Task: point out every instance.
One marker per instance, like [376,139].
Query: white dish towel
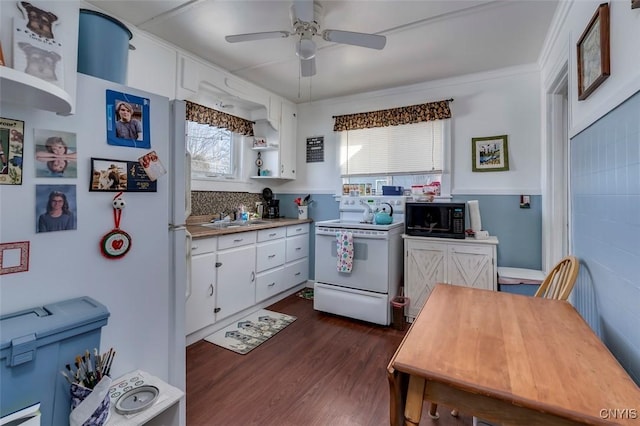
[344,241]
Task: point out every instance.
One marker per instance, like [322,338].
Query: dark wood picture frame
[635,4]
[593,53]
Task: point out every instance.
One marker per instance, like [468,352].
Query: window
[213,152]
[402,155]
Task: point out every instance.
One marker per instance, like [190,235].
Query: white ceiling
[426,39]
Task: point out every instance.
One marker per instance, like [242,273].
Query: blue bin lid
[61,318]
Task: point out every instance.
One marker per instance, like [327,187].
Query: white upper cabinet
[152,66]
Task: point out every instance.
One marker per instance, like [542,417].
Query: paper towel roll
[474,215]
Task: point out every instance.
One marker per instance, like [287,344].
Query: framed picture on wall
[128,120]
[593,53]
[490,154]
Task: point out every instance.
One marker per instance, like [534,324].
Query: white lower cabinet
[428,261]
[296,273]
[269,283]
[233,272]
[236,276]
[200,301]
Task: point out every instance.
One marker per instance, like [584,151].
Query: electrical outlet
[525,201]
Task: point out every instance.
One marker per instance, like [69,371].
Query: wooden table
[513,359]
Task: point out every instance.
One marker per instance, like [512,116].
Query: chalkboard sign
[315,149]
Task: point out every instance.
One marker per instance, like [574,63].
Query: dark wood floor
[320,370]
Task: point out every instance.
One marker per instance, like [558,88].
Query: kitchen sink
[234,224]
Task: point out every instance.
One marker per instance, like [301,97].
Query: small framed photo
[56,208]
[490,154]
[259,142]
[117,175]
[11,151]
[128,120]
[635,4]
[14,257]
[108,175]
[56,154]
[593,53]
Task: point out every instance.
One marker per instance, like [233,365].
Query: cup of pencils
[90,383]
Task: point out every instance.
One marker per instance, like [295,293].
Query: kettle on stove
[384,218]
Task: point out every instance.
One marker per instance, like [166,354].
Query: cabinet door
[425,266]
[201,302]
[236,280]
[471,266]
[288,132]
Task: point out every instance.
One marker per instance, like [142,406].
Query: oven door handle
[355,235]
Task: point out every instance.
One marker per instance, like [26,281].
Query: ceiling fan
[305,19]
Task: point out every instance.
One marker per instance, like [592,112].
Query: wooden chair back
[560,280]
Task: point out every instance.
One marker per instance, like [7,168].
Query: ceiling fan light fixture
[306,48]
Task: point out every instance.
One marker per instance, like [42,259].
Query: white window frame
[236,161]
[445,174]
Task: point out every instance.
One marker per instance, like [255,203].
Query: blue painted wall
[518,230]
[605,223]
[322,207]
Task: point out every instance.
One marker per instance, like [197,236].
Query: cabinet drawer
[296,273]
[297,247]
[271,234]
[270,255]
[203,245]
[300,229]
[236,240]
[269,284]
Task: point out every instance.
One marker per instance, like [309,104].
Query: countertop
[197,231]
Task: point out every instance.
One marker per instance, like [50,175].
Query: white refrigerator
[144,290]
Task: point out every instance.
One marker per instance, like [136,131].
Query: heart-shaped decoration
[117,244]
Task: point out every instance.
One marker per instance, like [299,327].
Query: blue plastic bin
[36,344]
[103,46]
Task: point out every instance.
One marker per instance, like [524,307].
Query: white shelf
[21,88]
[269,178]
[265,148]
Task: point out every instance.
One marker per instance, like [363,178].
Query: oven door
[370,271]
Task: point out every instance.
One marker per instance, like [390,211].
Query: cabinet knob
[218,264]
[271,285]
[216,310]
[211,290]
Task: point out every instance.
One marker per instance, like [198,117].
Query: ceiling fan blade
[372,41]
[303,10]
[308,67]
[256,36]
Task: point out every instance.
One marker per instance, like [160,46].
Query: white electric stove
[366,291]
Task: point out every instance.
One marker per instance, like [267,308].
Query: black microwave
[444,220]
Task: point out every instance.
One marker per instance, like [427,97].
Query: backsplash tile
[213,203]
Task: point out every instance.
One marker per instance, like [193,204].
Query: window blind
[405,149]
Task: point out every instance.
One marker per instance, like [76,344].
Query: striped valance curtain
[204,115]
[392,117]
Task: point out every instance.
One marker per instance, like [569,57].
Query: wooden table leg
[415,397]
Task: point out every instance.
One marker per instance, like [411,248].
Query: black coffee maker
[272,207]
